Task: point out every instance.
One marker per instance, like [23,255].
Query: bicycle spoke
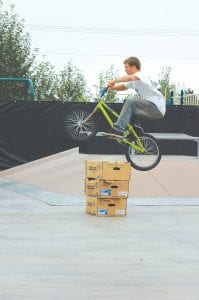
[75,126]
[148,159]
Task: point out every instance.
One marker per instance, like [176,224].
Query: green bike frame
[105,110]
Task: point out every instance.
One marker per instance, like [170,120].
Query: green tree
[16,56]
[45,81]
[189,91]
[104,77]
[72,84]
[164,81]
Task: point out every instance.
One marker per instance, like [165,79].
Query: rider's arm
[123,79]
[127,78]
[118,87]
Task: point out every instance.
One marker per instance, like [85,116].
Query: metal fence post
[171,97]
[181,97]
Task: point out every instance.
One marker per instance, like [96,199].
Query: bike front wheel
[149,158]
[74,124]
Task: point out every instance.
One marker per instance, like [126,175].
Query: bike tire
[148,160]
[73,123]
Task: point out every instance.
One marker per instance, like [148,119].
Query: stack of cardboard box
[107,187]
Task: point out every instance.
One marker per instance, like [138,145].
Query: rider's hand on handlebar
[111,83]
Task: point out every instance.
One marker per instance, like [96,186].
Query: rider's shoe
[116,130]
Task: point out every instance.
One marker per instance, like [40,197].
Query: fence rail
[191,99]
[174,99]
[186,99]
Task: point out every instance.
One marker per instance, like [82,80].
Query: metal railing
[29,85]
[191,99]
[186,99]
[174,99]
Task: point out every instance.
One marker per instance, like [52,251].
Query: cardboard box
[108,170]
[107,207]
[106,188]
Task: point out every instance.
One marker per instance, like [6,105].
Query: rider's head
[132,65]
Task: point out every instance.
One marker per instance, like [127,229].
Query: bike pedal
[139,130]
[128,136]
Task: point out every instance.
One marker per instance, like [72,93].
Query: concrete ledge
[55,199]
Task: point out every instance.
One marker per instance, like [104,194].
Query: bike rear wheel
[74,125]
[147,160]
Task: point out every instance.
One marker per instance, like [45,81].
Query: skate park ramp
[64,173]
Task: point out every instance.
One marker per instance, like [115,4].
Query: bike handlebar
[103,92]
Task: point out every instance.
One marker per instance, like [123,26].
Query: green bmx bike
[141,149]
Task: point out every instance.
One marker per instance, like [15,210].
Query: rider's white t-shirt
[147,91]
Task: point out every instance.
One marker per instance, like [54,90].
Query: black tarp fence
[30,130]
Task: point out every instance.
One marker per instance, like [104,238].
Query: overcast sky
[160,33]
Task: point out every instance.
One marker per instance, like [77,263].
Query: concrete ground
[50,249]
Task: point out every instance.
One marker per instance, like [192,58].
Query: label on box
[123,194]
[120,212]
[103,212]
[105,192]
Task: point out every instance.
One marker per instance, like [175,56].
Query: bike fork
[90,115]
